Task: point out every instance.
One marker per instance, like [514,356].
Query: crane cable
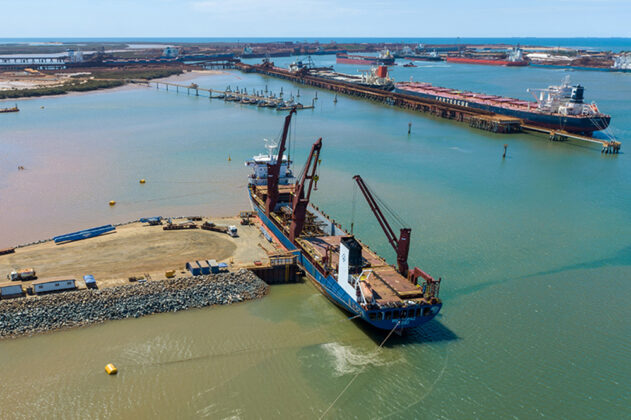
[384,205]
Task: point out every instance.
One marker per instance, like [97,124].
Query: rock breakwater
[30,315]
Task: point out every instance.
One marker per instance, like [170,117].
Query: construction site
[152,250]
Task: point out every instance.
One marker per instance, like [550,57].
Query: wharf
[476,118]
[138,250]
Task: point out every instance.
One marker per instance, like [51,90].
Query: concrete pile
[31,315]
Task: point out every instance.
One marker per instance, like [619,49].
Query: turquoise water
[534,252]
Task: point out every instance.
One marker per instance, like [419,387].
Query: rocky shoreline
[30,315]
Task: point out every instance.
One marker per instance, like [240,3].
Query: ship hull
[363,59]
[423,58]
[572,124]
[487,62]
[329,287]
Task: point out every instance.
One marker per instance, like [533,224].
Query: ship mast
[273,169]
[301,197]
[402,245]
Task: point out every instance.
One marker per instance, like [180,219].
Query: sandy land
[189,75]
[136,249]
[17,80]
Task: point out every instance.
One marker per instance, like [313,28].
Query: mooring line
[357,374]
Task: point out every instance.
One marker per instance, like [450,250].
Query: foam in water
[348,360]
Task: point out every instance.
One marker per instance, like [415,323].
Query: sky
[315,18]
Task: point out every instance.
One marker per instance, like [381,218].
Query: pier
[608,146]
[475,118]
[255,98]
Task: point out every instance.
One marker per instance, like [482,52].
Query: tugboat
[345,270]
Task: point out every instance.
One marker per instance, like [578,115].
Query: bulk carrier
[346,271]
[384,58]
[515,58]
[557,107]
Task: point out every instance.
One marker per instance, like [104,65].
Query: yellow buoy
[112,202]
[111,369]
[142,181]
[229,160]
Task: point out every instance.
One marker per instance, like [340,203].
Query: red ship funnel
[382,71]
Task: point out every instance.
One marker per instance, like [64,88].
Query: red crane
[273,169]
[301,197]
[402,245]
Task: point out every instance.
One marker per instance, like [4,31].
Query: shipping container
[214,267]
[194,268]
[53,285]
[205,267]
[9,290]
[90,283]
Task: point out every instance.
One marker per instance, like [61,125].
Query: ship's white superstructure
[564,99]
[622,62]
[259,164]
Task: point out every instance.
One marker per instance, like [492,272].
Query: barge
[345,270]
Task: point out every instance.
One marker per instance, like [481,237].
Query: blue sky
[315,18]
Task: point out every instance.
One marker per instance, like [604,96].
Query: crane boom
[402,245]
[301,197]
[273,169]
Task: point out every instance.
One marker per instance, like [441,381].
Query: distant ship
[515,58]
[384,58]
[377,77]
[351,275]
[557,107]
[432,56]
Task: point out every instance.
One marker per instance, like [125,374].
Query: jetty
[261,99]
[476,118]
[608,146]
[11,109]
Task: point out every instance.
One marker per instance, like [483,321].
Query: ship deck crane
[402,244]
[302,195]
[273,169]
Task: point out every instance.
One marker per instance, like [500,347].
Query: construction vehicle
[24,274]
[245,218]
